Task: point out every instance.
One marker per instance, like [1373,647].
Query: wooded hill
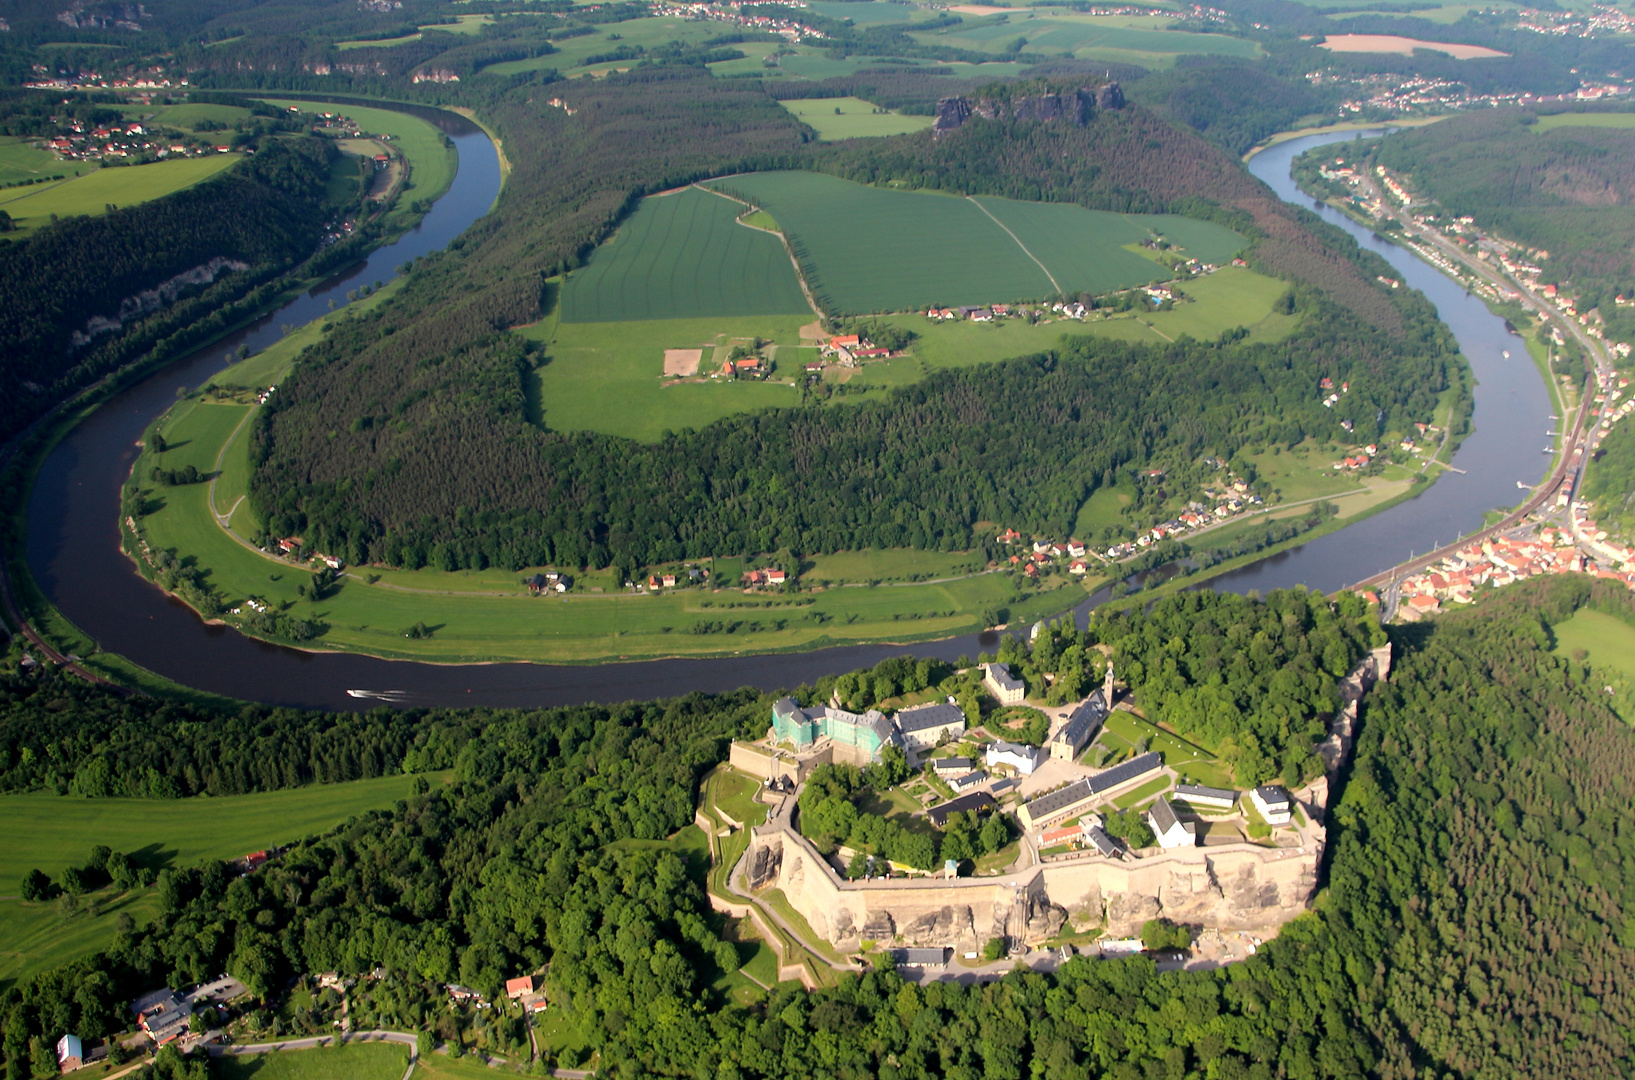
[1476,918]
[402,437]
[267,211]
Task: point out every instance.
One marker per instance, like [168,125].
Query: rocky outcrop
[1075,106]
[879,926]
[948,925]
[764,863]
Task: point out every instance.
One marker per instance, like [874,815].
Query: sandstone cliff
[1075,106]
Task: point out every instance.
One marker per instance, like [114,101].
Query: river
[74,551]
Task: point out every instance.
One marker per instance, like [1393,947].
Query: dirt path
[1024,247]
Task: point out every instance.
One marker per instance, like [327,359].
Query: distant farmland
[867,249]
[684,256]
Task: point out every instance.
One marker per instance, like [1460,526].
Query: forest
[266,213]
[360,443]
[1565,190]
[1475,920]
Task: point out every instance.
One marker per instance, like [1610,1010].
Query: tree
[1157,934]
[993,949]
[35,886]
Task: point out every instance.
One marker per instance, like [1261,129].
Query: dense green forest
[1565,190]
[266,213]
[358,448]
[1475,921]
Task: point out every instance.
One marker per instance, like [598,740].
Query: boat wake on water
[380,695]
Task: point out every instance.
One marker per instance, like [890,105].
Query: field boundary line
[1058,286]
[800,275]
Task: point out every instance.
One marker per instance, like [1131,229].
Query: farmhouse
[1024,759]
[1198,795]
[1273,803]
[519,987]
[163,1014]
[924,726]
[1171,831]
[70,1053]
[1007,690]
[1080,728]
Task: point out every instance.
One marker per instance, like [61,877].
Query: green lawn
[571,54]
[595,364]
[1609,641]
[189,115]
[20,161]
[432,161]
[868,249]
[348,1061]
[1140,795]
[130,185]
[684,255]
[734,793]
[852,118]
[891,564]
[51,833]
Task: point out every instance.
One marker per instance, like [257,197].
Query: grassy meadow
[852,118]
[869,249]
[345,1061]
[595,364]
[1136,39]
[33,207]
[19,160]
[1579,119]
[684,255]
[53,832]
[1609,641]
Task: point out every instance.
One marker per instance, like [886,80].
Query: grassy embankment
[53,832]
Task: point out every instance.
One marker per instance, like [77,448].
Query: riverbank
[1344,126]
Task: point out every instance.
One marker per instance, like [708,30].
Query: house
[979,802]
[1007,690]
[920,958]
[163,1015]
[1077,568]
[1198,795]
[254,861]
[1273,803]
[845,341]
[1080,728]
[331,980]
[1068,834]
[668,581]
[951,766]
[776,577]
[1075,549]
[1024,759]
[458,993]
[70,1054]
[924,726]
[1171,831]
[518,987]
[537,584]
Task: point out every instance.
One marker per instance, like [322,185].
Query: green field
[684,255]
[1609,640]
[1135,39]
[432,161]
[346,1061]
[852,118]
[891,564]
[33,207]
[190,115]
[1576,119]
[52,832]
[593,364]
[867,249]
[20,161]
[648,33]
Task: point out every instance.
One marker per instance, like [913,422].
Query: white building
[1024,759]
[1273,803]
[924,726]
[1214,798]
[1171,831]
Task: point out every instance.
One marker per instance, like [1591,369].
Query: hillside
[363,440]
[1475,918]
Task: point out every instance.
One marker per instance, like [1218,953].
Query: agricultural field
[20,161]
[32,207]
[1134,39]
[53,832]
[592,364]
[684,255]
[852,118]
[890,564]
[469,25]
[867,249]
[572,53]
[1576,119]
[815,66]
[190,116]
[346,1061]
[432,161]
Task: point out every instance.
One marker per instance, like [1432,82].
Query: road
[1573,443]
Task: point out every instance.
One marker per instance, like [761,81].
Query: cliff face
[1076,106]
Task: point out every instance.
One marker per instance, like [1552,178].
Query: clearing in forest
[852,118]
[684,256]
